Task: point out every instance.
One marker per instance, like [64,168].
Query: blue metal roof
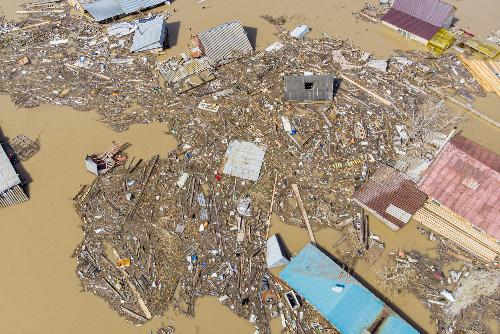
[339,297]
[150,34]
[105,9]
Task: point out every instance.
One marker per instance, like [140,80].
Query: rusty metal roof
[465,177]
[391,195]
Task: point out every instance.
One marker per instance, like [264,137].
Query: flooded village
[222,166]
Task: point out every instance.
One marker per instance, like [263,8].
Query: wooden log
[465,106]
[304,213]
[271,207]
[366,90]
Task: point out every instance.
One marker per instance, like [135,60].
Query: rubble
[204,210]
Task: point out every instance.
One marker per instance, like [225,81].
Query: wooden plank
[304,213]
[458,230]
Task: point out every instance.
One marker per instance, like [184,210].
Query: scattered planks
[484,73]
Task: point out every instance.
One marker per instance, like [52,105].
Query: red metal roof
[410,24]
[388,186]
[434,12]
[465,177]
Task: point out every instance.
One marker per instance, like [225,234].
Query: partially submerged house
[349,306]
[150,35]
[309,87]
[463,183]
[391,197]
[224,43]
[11,192]
[419,19]
[103,10]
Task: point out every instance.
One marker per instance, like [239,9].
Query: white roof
[275,256]
[8,176]
[243,159]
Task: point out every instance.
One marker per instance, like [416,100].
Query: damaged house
[391,197]
[151,35]
[309,87]
[463,184]
[341,299]
[11,192]
[224,43]
[419,20]
[103,10]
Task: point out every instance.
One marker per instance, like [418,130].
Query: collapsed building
[11,191]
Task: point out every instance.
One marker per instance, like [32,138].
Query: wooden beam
[304,213]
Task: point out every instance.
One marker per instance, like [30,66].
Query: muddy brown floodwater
[39,289]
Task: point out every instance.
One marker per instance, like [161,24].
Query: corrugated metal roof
[411,24]
[339,297]
[225,43]
[8,176]
[177,68]
[150,34]
[434,12]
[105,9]
[461,163]
[244,160]
[386,188]
[394,324]
[322,87]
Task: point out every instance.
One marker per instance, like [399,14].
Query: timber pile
[485,72]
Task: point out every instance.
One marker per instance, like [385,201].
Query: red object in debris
[437,275]
[218,177]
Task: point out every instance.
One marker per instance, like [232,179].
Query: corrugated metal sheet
[8,176]
[296,90]
[177,68]
[150,34]
[411,24]
[12,196]
[225,43]
[339,297]
[394,324]
[244,160]
[434,12]
[459,160]
[389,187]
[106,9]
